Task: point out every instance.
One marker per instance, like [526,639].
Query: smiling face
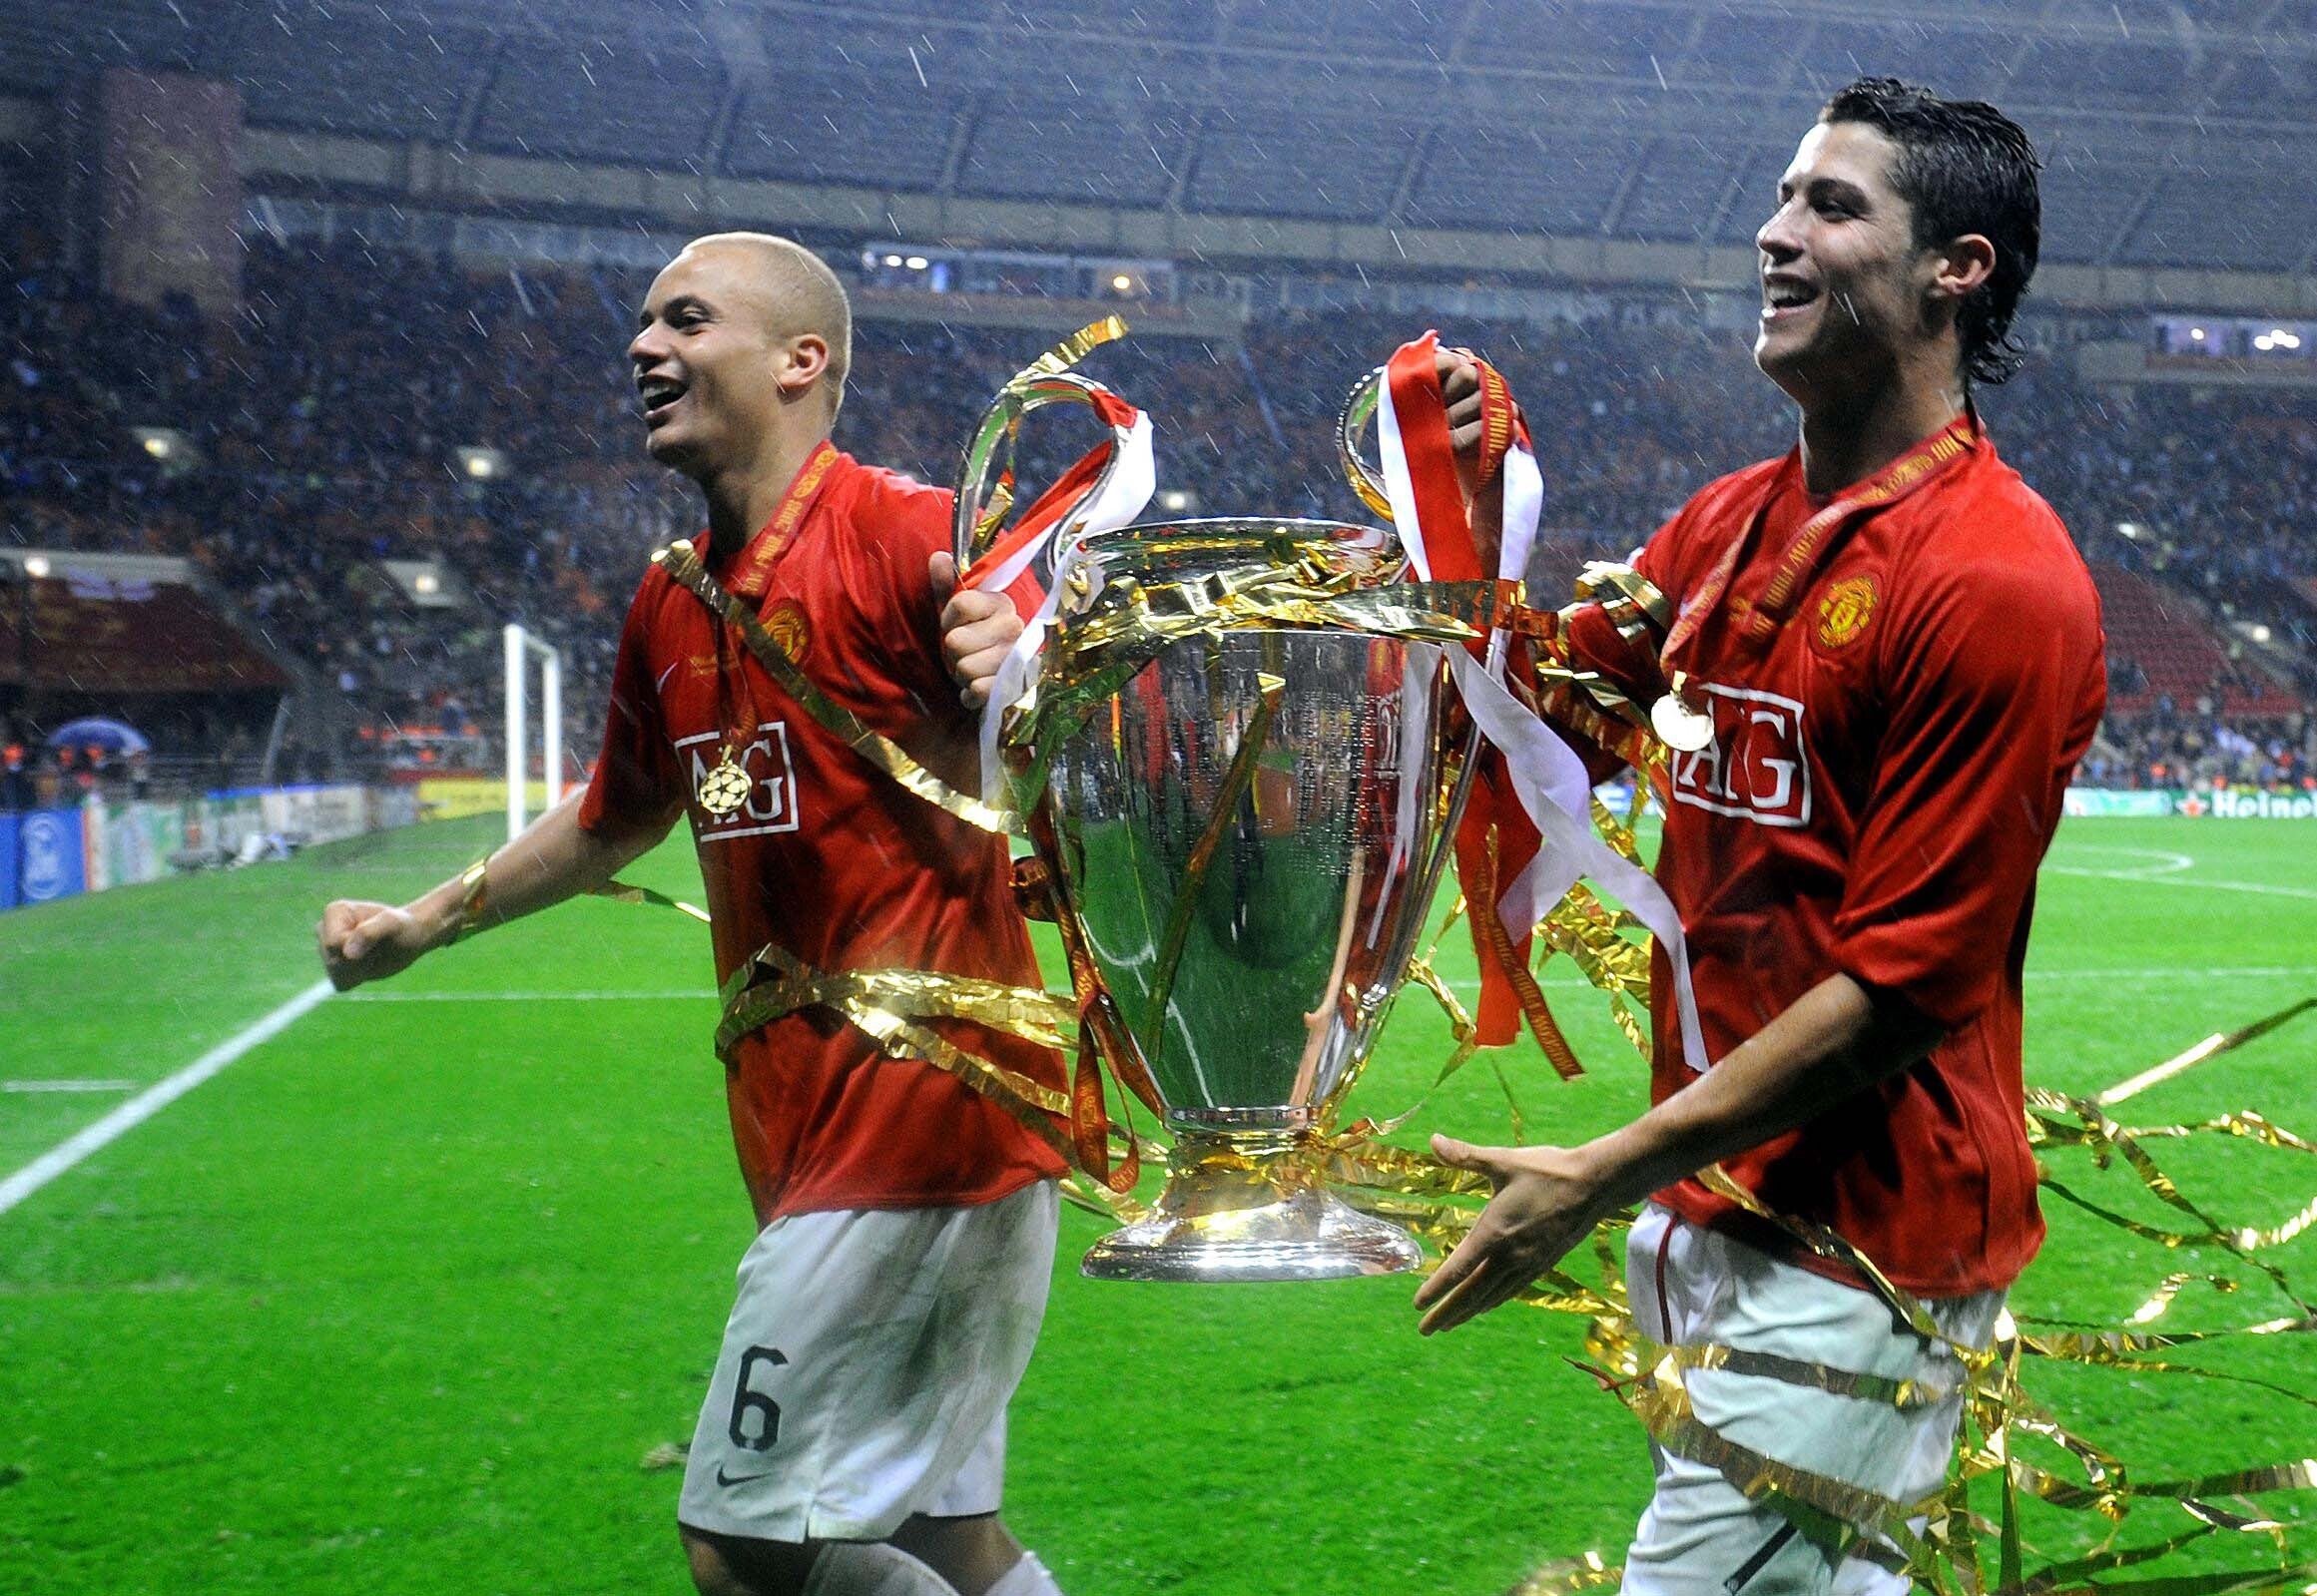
[717,356]
[1843,286]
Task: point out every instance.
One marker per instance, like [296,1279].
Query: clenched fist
[362,941]
[977,630]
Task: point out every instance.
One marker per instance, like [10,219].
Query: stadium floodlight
[36,566]
[481,463]
[171,448]
[521,646]
[428,584]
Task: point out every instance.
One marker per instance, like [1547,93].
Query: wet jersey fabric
[1885,773]
[827,856]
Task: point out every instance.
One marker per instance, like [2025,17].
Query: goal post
[521,649]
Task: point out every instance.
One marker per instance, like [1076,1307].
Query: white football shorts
[1700,1536]
[866,1369]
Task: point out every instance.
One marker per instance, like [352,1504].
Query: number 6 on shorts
[746,1401]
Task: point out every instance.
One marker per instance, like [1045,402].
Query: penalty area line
[37,1174]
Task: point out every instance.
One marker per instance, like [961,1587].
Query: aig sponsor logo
[1756,768]
[771,805]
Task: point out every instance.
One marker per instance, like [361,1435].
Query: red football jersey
[1885,776]
[828,857]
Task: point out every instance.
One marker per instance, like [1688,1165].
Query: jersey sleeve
[1985,718]
[636,786]
[1627,664]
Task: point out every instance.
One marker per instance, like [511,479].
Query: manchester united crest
[787,625]
[1845,611]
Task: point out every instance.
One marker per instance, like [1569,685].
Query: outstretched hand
[1546,1201]
[977,630]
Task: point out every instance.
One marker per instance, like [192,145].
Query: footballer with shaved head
[852,1441]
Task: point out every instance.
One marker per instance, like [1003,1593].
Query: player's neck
[1848,439]
[741,500]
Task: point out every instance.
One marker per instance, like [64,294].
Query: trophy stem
[1248,1206]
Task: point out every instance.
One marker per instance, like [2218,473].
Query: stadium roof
[2174,135]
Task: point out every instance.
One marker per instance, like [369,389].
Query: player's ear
[1959,267]
[801,362]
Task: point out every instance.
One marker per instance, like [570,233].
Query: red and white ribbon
[1548,778]
[1106,490]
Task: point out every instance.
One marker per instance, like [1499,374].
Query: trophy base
[1235,1218]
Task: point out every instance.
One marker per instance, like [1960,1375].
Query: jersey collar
[750,571]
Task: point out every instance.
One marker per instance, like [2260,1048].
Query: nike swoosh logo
[661,686]
[730,1481]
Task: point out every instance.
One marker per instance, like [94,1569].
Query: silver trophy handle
[993,449]
[1358,409]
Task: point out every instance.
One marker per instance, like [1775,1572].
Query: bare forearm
[1836,1040]
[554,858]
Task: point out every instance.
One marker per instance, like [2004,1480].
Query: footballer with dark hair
[1884,657]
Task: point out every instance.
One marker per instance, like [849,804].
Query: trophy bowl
[1248,834]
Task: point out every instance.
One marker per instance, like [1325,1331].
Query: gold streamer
[1070,351]
[678,560]
[1461,1027]
[1944,1555]
[1571,1578]
[623,893]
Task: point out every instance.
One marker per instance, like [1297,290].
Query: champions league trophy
[1243,797]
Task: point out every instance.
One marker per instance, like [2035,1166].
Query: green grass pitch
[403,1299]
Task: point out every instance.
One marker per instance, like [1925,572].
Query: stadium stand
[322,427]
[307,427]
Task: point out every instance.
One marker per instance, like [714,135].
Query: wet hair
[1963,167]
[811,295]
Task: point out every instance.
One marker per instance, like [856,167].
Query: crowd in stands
[2162,749]
[326,418]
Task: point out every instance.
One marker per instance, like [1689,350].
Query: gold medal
[723,790]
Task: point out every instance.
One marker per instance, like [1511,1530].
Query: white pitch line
[2160,973]
[2265,890]
[2169,972]
[636,996]
[30,1179]
[2173,972]
[68,1086]
[683,994]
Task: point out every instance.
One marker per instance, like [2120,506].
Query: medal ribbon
[1818,536]
[726,786]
